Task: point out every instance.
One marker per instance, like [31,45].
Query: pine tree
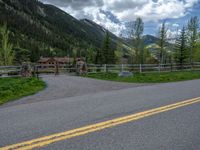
[105,49]
[181,53]
[21,55]
[162,42]
[111,56]
[90,54]
[119,52]
[6,53]
[34,50]
[137,34]
[99,57]
[108,54]
[197,52]
[193,26]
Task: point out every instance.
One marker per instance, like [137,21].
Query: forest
[31,29]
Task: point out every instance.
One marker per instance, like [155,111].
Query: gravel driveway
[63,86]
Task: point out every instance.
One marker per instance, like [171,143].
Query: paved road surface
[63,86]
[178,129]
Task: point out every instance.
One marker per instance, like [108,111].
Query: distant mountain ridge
[147,40]
[35,23]
[150,39]
[47,30]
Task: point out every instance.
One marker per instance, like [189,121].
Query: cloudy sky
[116,14]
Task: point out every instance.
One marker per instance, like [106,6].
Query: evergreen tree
[119,52]
[108,54]
[21,55]
[99,57]
[105,49]
[162,42]
[34,51]
[193,26]
[197,52]
[111,56]
[137,34]
[181,53]
[6,53]
[90,54]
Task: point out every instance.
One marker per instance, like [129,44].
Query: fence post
[122,67]
[105,68]
[33,70]
[37,72]
[191,66]
[140,68]
[159,67]
[171,65]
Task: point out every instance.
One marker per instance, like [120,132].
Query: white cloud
[176,25]
[155,11]
[172,30]
[122,5]
[172,35]
[125,10]
[98,17]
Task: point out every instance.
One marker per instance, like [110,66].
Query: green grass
[15,88]
[148,77]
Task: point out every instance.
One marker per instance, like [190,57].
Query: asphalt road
[64,86]
[177,129]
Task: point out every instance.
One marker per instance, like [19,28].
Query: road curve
[175,129]
[64,86]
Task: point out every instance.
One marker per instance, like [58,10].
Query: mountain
[97,33]
[147,39]
[47,30]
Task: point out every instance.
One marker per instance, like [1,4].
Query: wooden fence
[10,71]
[143,68]
[93,68]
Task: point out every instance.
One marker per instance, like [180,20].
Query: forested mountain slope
[46,30]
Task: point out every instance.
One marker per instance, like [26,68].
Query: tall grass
[148,77]
[15,88]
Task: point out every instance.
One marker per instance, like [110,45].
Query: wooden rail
[92,68]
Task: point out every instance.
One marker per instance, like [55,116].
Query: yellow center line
[44,141]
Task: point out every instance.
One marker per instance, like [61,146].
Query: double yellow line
[44,141]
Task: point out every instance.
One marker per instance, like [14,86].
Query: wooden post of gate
[56,68]
[37,71]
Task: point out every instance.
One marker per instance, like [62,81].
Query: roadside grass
[15,88]
[148,77]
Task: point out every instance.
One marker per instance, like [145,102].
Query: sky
[117,15]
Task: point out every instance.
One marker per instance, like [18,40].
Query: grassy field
[148,77]
[15,88]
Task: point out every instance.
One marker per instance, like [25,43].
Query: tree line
[182,48]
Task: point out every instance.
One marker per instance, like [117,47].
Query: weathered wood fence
[144,68]
[6,71]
